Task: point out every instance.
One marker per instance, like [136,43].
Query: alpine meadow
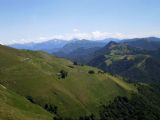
[79,60]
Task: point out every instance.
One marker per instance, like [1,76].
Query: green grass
[15,107]
[80,93]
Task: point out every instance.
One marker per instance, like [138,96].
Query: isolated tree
[91,72]
[75,63]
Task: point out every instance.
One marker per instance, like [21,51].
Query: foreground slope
[16,107]
[36,76]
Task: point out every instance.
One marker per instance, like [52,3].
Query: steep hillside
[58,85]
[132,63]
[77,44]
[82,55]
[16,107]
[143,106]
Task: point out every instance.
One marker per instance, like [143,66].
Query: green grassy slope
[34,74]
[15,107]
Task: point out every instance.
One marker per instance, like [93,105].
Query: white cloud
[77,34]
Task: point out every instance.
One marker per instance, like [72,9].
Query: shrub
[91,72]
[30,99]
[63,74]
[51,108]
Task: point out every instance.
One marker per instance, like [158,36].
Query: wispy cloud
[96,35]
[76,34]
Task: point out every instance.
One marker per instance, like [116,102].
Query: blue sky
[39,20]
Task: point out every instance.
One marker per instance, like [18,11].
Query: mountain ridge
[127,61]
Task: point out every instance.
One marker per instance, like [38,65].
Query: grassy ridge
[35,74]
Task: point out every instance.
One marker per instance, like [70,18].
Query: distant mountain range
[47,46]
[62,46]
[150,43]
[65,46]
